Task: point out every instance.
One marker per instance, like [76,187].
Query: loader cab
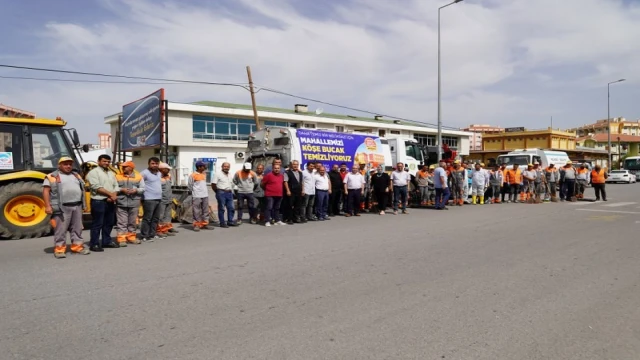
[30,149]
[38,147]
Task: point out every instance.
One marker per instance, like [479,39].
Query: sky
[504,62]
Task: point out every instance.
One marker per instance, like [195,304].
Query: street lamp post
[440,83]
[610,160]
[618,152]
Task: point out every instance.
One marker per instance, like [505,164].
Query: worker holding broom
[200,194]
[165,227]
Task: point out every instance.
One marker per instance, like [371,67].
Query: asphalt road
[512,281]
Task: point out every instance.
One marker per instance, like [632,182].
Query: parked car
[621,176]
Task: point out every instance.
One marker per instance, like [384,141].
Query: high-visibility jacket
[514,176]
[497,178]
[459,176]
[132,181]
[167,192]
[598,177]
[552,174]
[582,174]
[55,199]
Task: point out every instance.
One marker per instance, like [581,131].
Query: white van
[524,157]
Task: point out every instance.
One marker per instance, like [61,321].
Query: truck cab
[407,151]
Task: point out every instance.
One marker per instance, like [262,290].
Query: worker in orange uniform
[496,180]
[598,179]
[552,178]
[582,179]
[165,227]
[131,187]
[197,185]
[514,179]
[458,180]
[63,194]
[422,177]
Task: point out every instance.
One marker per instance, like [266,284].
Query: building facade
[619,125]
[478,131]
[218,132]
[552,139]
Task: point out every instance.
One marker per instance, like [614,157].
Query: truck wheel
[23,214]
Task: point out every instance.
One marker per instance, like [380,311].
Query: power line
[179,81]
[351,108]
[121,76]
[90,81]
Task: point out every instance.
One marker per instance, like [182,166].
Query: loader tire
[23,212]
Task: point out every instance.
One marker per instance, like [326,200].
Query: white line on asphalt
[579,203]
[610,211]
[619,204]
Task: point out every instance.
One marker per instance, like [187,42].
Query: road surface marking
[578,203]
[620,204]
[610,211]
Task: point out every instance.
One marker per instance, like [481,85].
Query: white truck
[330,148]
[524,157]
[407,151]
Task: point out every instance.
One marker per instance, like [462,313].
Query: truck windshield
[514,159]
[632,164]
[414,150]
[48,146]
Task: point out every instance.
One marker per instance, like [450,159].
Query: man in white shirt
[309,189]
[222,186]
[400,180]
[354,188]
[323,190]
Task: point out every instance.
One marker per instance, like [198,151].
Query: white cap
[164,166]
[247,166]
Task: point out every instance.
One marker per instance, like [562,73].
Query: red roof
[600,138]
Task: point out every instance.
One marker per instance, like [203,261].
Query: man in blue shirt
[440,183]
[151,202]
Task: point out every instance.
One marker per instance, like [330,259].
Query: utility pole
[609,158]
[551,122]
[253,99]
[440,82]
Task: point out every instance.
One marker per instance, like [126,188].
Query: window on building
[395,132]
[280,123]
[340,128]
[450,141]
[310,126]
[221,128]
[428,140]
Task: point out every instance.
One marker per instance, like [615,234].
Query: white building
[218,132]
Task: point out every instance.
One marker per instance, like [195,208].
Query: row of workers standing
[289,195]
[115,201]
[502,185]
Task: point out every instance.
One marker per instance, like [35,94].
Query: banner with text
[331,148]
[142,122]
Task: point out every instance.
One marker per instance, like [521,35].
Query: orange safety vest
[514,177]
[598,178]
